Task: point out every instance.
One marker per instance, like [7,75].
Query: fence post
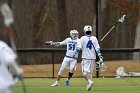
[53,64]
[96,12]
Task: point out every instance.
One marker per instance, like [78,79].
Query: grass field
[78,85]
[45,70]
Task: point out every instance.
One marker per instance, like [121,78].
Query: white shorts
[68,63]
[87,65]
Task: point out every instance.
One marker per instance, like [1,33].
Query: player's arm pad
[56,43]
[99,55]
[98,52]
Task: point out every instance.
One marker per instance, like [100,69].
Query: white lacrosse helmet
[87,28]
[74,34]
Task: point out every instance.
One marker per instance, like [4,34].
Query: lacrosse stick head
[103,67]
[122,19]
[7,14]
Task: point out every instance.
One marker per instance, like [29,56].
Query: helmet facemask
[87,30]
[74,34]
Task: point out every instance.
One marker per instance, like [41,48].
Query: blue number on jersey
[72,47]
[89,44]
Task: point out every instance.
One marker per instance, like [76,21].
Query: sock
[90,75]
[69,75]
[89,81]
[56,81]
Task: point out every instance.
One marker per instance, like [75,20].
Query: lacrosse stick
[103,67]
[121,20]
[8,20]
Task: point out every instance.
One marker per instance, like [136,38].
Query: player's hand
[101,64]
[20,76]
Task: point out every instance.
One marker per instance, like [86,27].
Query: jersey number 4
[89,44]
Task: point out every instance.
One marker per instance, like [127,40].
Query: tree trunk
[136,56]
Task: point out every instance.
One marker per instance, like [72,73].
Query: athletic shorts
[68,63]
[87,65]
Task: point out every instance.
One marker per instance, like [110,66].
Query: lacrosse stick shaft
[10,35]
[119,21]
[24,87]
[108,32]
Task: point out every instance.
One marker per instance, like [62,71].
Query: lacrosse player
[89,46]
[68,61]
[8,61]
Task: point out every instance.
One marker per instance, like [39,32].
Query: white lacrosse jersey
[88,44]
[71,47]
[6,78]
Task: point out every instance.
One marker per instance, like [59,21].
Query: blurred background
[42,20]
[37,21]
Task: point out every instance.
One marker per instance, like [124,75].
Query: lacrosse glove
[101,64]
[48,43]
[20,77]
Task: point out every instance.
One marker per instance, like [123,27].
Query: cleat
[55,84]
[89,85]
[67,83]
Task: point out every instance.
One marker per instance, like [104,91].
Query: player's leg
[72,67]
[70,74]
[73,63]
[86,69]
[58,76]
[63,66]
[91,69]
[86,66]
[90,74]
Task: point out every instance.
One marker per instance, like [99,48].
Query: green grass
[78,85]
